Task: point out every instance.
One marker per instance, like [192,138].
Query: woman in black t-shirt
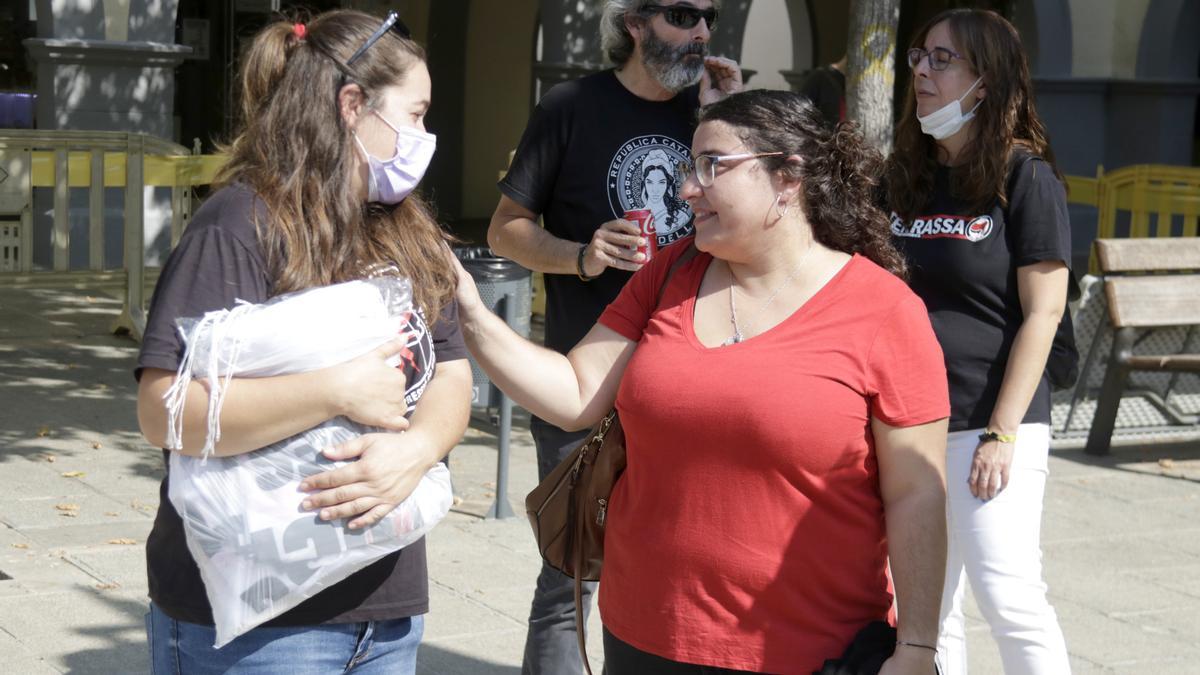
[317,190]
[980,212]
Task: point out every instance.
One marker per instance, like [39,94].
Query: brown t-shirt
[219,261]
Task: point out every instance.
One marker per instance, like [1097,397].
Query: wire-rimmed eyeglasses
[705,166]
[939,57]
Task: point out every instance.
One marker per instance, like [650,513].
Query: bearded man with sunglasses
[579,166]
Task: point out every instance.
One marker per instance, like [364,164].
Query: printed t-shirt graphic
[644,174]
[963,264]
[593,150]
[943,226]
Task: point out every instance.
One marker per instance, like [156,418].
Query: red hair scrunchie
[299,30]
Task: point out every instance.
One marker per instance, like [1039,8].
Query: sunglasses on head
[391,23]
[684,16]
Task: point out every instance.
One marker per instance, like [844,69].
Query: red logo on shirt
[943,227]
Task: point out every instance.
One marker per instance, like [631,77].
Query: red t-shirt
[747,531]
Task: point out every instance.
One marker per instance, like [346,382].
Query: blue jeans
[367,648]
[551,647]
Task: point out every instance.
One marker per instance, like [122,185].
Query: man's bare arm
[515,234]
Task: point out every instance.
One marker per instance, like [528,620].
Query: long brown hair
[1005,120]
[839,173]
[294,151]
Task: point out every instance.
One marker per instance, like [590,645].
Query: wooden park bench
[1149,284]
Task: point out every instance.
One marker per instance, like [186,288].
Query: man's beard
[671,65]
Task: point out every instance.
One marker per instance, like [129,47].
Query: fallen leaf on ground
[107,587]
[1166,463]
[50,458]
[111,513]
[123,541]
[21,546]
[72,474]
[458,500]
[102,386]
[67,507]
[69,514]
[43,432]
[96,445]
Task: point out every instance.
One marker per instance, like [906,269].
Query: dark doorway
[205,84]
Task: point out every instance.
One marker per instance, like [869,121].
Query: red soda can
[644,219]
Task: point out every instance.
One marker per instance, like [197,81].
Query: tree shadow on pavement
[125,648]
[1175,460]
[434,660]
[66,383]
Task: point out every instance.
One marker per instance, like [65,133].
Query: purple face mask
[389,181]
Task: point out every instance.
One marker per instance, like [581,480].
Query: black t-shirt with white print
[591,151]
[217,262]
[963,264]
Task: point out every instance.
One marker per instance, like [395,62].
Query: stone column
[106,65]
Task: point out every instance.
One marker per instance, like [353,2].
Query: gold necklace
[738,334]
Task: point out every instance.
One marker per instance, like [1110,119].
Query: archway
[1170,42]
[1045,27]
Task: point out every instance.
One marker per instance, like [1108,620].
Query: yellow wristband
[989,435]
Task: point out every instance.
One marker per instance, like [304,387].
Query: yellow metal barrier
[1083,190]
[157,171]
[61,160]
[1155,196]
[1151,193]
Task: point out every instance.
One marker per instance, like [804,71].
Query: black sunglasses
[391,23]
[684,16]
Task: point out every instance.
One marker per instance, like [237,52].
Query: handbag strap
[577,558]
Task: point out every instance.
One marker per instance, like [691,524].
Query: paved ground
[1122,535]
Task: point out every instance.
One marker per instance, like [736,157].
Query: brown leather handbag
[569,508]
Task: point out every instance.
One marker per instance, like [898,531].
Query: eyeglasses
[684,16]
[392,23]
[705,166]
[939,57]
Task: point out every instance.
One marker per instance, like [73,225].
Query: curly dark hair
[839,173]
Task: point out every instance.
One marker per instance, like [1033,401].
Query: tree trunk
[870,56]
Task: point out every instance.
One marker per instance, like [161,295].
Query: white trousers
[997,546]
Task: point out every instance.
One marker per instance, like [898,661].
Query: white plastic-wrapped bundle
[259,553]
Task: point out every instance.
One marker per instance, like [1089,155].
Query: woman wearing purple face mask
[318,190]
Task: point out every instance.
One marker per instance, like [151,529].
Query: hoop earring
[782,212]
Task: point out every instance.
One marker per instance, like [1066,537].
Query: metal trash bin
[506,289]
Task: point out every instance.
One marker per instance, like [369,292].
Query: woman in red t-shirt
[784,406]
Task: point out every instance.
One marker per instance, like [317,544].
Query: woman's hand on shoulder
[369,390]
[466,293]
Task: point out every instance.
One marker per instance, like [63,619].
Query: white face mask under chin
[948,119]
